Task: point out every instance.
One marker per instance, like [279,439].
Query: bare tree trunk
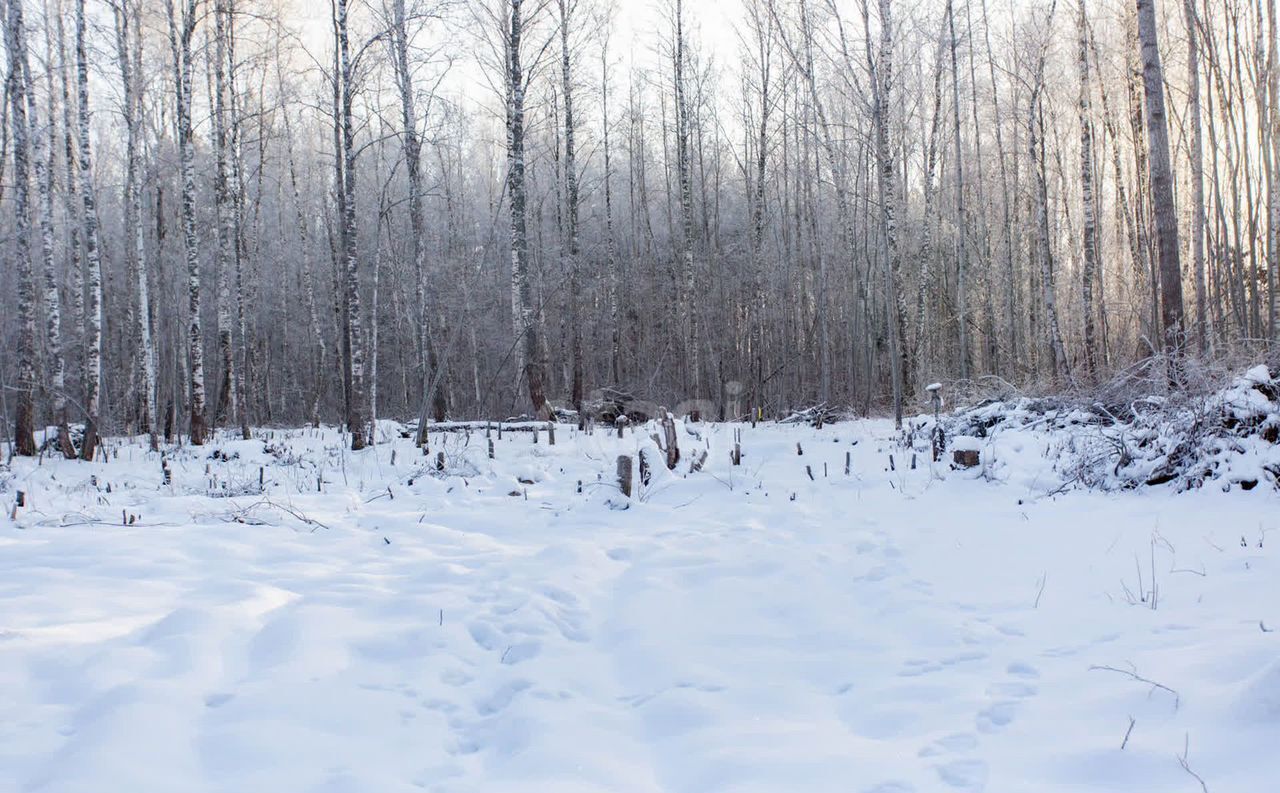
[93,255]
[612,260]
[1271,83]
[571,243]
[43,146]
[962,227]
[689,303]
[1166,217]
[927,231]
[24,421]
[1089,272]
[1036,140]
[129,56]
[425,307]
[225,408]
[239,248]
[882,89]
[181,31]
[1197,167]
[357,420]
[526,320]
[70,195]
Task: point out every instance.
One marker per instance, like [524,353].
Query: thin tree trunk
[1088,273]
[571,244]
[1197,167]
[93,255]
[181,31]
[43,146]
[962,226]
[129,56]
[425,307]
[1166,218]
[1036,139]
[689,303]
[526,320]
[24,420]
[357,419]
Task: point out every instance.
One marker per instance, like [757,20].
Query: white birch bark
[24,420]
[182,26]
[129,57]
[92,251]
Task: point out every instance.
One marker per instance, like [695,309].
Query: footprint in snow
[964,774]
[959,742]
[996,716]
[521,651]
[218,700]
[484,635]
[1022,669]
[1015,689]
[500,699]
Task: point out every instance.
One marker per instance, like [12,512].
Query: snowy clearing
[778,626]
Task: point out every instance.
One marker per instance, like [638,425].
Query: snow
[359,624]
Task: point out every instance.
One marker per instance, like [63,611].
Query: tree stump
[672,447]
[965,458]
[624,474]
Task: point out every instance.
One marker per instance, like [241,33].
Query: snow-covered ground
[361,623]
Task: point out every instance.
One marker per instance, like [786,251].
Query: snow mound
[1260,699]
[1229,436]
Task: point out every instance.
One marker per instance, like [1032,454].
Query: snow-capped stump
[965,451]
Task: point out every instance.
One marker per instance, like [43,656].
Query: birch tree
[24,421]
[128,29]
[182,28]
[526,327]
[44,144]
[357,409]
[92,252]
[1089,240]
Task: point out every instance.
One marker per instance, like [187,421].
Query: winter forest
[229,213]
[639,396]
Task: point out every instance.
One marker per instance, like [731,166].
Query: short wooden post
[672,443]
[937,441]
[491,448]
[551,433]
[624,474]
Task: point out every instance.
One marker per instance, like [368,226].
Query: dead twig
[1133,675]
[1182,761]
[1127,733]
